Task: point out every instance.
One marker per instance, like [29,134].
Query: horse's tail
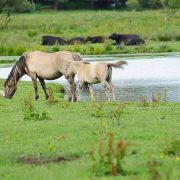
[77,57]
[118,64]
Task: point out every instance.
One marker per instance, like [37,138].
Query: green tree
[170,7]
[9,6]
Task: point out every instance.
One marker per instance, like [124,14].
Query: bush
[133,4]
[23,6]
[153,4]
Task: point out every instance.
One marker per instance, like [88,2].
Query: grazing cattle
[40,65]
[52,40]
[76,40]
[134,41]
[95,39]
[88,74]
[127,39]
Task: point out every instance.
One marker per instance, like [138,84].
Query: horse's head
[10,88]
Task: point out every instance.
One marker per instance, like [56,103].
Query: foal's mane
[18,70]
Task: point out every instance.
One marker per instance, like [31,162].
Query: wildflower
[178,158]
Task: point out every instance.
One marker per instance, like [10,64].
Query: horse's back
[48,65]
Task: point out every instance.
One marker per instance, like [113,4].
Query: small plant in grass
[116,113]
[30,113]
[64,104]
[52,100]
[102,126]
[173,148]
[159,97]
[95,109]
[109,160]
[153,165]
[55,48]
[144,102]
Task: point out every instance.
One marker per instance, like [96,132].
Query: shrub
[30,113]
[23,6]
[133,4]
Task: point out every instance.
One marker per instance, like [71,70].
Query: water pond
[142,78]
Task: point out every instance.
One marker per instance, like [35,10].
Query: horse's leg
[106,89]
[91,91]
[79,90]
[41,80]
[112,89]
[34,80]
[72,95]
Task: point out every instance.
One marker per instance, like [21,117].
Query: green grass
[74,129]
[25,31]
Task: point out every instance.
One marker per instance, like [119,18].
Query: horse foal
[100,72]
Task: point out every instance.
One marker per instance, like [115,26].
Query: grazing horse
[88,74]
[37,64]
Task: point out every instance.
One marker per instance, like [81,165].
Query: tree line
[19,6]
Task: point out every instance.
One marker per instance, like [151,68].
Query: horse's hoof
[70,98]
[74,99]
[47,97]
[37,97]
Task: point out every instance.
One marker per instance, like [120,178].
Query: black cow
[95,39]
[52,40]
[127,39]
[76,40]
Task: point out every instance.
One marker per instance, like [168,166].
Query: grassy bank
[35,133]
[25,31]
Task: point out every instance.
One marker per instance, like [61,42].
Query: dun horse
[89,74]
[40,65]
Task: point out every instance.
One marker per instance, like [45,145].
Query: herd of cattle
[126,39]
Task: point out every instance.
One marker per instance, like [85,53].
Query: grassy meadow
[25,31]
[56,139]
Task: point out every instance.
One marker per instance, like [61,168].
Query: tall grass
[25,30]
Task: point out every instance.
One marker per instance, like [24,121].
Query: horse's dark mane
[86,62]
[18,70]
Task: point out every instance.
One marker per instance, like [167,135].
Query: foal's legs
[91,91]
[72,95]
[41,80]
[79,90]
[107,89]
[34,80]
[111,88]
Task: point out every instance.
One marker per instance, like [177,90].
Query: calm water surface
[141,78]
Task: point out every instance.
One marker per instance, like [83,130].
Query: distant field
[25,31]
[34,142]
